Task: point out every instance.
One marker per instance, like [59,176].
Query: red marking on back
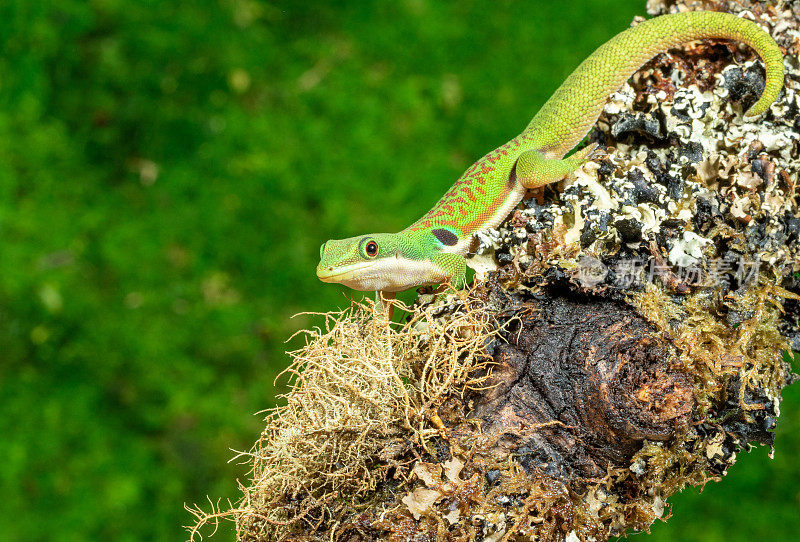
[470,186]
[480,220]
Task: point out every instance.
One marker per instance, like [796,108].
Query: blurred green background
[168,171]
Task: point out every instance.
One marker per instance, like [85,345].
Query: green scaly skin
[433,249]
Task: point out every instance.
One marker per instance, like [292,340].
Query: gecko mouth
[341,274]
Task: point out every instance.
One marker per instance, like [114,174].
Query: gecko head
[380,261]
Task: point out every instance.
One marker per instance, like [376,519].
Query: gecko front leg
[454,267]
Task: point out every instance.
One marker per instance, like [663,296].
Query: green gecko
[433,249]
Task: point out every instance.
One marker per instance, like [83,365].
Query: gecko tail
[571,111]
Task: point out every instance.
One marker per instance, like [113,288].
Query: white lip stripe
[389,274]
[344,271]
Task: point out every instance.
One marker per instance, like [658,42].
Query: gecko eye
[371,249]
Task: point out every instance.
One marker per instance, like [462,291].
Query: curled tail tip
[759,108]
[771,92]
[768,97]
[753,113]
[772,57]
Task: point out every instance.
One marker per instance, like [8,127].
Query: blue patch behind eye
[445,237]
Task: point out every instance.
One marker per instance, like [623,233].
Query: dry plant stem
[359,386]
